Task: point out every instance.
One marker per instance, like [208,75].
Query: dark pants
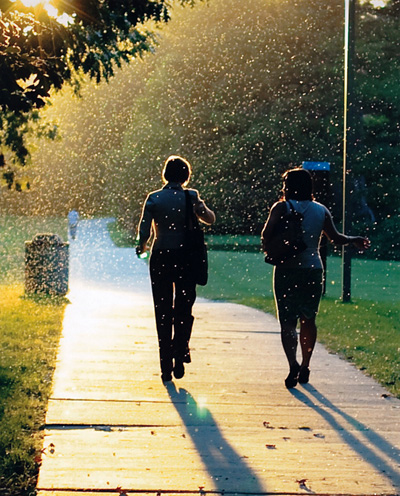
[174,294]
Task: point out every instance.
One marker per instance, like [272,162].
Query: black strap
[291,207]
[190,218]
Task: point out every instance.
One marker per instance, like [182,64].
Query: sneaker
[291,379]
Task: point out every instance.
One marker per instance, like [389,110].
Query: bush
[385,239]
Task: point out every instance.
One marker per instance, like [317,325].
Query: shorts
[297,293]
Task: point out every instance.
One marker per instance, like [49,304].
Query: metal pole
[348,139]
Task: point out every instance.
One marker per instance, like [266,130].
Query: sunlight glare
[31,3]
[377,4]
[63,19]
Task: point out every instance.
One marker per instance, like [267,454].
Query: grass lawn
[30,333]
[366,331]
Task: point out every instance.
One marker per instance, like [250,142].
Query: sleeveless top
[313,223]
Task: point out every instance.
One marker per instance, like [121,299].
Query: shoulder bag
[196,248]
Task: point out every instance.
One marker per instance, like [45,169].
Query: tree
[40,52]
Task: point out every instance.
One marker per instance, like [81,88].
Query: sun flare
[32,3]
[50,9]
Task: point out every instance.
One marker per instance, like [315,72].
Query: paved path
[229,426]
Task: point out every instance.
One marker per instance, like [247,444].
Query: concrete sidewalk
[229,426]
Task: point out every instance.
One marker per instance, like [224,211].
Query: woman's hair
[298,184]
[176,170]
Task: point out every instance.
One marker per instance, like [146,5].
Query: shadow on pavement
[373,449]
[225,466]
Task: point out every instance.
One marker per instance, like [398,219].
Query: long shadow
[375,447]
[229,470]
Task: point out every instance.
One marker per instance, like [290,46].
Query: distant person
[298,280]
[73,219]
[174,291]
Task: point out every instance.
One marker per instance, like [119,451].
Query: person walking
[73,219]
[173,285]
[297,282]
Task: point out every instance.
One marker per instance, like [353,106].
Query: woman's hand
[141,251]
[360,243]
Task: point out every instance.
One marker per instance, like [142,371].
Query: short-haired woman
[298,280]
[174,291]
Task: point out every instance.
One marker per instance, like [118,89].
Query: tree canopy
[244,91]
[42,48]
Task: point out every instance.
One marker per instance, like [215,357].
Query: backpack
[287,240]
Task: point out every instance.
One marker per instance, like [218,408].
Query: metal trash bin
[46,265]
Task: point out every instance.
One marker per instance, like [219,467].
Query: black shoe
[304,375]
[166,376]
[179,369]
[291,379]
[186,357]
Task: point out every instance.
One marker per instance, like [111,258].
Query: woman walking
[298,280]
[173,285]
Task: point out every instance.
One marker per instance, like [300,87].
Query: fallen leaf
[270,446]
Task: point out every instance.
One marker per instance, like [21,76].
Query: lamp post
[349,137]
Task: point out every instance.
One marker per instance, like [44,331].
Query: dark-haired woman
[174,291]
[298,280]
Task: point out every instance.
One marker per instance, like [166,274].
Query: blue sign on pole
[317,166]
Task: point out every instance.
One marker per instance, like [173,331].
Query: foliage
[378,106]
[239,99]
[244,90]
[39,52]
[28,344]
[385,239]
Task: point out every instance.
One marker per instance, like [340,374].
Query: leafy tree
[378,100]
[39,53]
[244,90]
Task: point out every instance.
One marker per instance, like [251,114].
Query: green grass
[29,337]
[366,331]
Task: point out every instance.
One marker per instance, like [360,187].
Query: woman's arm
[144,228]
[341,239]
[205,214]
[200,209]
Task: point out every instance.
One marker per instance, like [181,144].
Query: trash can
[46,265]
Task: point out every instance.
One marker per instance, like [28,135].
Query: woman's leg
[162,288]
[289,340]
[185,296]
[308,337]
